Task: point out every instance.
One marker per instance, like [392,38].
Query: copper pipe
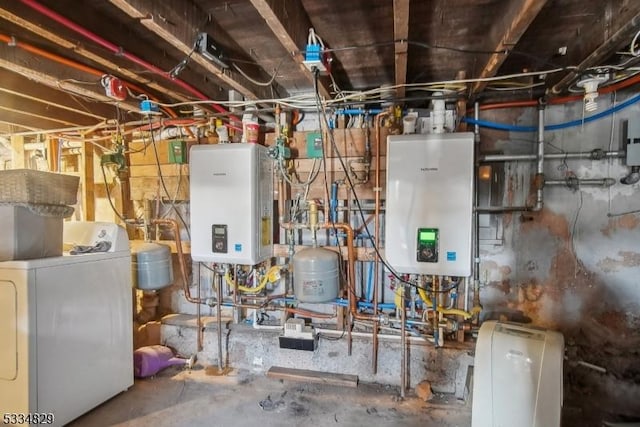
[376,230]
[183,268]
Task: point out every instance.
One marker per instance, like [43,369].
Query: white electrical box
[231,203]
[429,203]
[517,377]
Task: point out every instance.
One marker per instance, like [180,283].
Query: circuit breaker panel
[429,203]
[231,203]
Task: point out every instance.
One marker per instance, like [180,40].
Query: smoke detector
[590,85]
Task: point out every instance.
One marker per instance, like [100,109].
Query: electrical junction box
[314,145]
[177,151]
[429,203]
[316,58]
[210,50]
[231,208]
[631,135]
[297,336]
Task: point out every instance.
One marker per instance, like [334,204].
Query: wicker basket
[31,186]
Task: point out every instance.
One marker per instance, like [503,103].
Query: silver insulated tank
[152,268]
[316,276]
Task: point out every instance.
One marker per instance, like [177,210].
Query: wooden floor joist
[305,375]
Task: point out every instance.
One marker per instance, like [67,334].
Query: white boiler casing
[429,203]
[231,203]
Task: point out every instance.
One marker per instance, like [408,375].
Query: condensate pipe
[118,51]
[593,155]
[376,233]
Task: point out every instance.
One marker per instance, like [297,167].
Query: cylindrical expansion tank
[316,275]
[151,266]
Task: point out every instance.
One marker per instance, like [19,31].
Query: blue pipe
[357,111]
[559,126]
[362,304]
[333,203]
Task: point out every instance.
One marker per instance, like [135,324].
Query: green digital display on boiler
[427,245]
[428,236]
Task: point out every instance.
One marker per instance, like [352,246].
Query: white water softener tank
[316,275]
[151,266]
[517,376]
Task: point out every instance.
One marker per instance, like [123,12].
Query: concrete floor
[176,397]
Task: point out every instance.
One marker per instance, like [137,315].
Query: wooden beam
[87,181]
[178,23]
[290,24]
[29,21]
[15,84]
[18,118]
[17,155]
[308,376]
[32,108]
[506,33]
[56,76]
[610,45]
[401,34]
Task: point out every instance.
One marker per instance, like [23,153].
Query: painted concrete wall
[578,258]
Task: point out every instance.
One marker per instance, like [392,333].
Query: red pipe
[117,50]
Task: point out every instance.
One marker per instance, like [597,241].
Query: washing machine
[66,327]
[517,376]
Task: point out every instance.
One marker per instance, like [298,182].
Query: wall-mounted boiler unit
[429,203]
[231,203]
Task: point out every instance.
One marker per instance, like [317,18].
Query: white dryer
[66,327]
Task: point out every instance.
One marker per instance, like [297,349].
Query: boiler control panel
[427,247]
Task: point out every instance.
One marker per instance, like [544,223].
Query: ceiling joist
[505,35]
[290,24]
[620,38]
[401,34]
[67,42]
[14,84]
[181,31]
[57,76]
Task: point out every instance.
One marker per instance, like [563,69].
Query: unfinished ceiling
[54,53]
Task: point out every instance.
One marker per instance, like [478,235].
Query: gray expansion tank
[316,275]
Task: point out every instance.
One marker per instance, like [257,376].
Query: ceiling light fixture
[590,85]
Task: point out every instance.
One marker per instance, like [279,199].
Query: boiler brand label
[237,247]
[451,256]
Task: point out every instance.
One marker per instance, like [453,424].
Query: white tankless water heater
[429,203]
[231,203]
[517,376]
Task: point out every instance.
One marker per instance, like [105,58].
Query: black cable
[106,186]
